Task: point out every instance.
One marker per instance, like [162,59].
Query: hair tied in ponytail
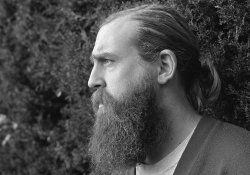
[210,81]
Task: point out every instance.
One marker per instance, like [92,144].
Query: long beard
[126,128]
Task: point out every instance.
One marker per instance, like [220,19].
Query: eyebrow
[102,55]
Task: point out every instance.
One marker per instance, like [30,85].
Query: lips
[101,99]
[100,108]
[97,99]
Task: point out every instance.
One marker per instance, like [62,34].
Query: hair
[161,27]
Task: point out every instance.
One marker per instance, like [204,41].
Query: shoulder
[226,146]
[230,144]
[216,147]
[233,144]
[214,130]
[232,136]
[222,140]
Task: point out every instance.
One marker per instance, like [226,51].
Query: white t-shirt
[167,165]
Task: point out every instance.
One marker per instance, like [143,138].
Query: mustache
[97,97]
[100,96]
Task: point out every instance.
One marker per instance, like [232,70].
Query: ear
[167,66]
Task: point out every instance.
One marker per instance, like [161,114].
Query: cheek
[119,83]
[124,77]
[117,86]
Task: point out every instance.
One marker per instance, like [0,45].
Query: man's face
[128,120]
[116,60]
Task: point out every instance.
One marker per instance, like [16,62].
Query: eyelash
[106,61]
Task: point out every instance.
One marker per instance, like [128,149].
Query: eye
[107,62]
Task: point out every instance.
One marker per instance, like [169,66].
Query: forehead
[116,36]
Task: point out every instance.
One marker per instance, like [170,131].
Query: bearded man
[150,89]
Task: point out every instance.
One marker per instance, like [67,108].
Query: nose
[96,79]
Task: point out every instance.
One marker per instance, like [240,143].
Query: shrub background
[44,68]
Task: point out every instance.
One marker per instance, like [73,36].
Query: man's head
[124,102]
[138,54]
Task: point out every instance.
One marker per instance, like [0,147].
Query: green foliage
[44,68]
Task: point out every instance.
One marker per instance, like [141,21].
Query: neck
[183,119]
